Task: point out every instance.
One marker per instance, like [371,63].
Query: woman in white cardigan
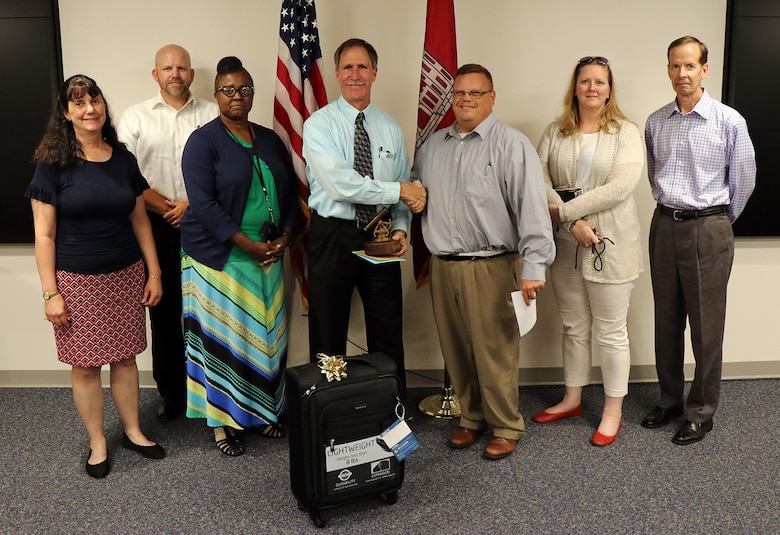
[592,158]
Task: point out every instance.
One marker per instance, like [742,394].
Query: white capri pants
[591,309]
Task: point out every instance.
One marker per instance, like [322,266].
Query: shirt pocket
[480,181]
[385,165]
[713,161]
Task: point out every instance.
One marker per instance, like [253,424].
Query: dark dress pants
[334,273]
[690,264]
[168,358]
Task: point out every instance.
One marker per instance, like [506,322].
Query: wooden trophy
[381,244]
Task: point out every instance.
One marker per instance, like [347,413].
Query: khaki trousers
[479,338]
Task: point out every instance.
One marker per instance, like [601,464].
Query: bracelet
[571,225]
[155,278]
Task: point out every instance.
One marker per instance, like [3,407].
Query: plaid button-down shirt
[702,159]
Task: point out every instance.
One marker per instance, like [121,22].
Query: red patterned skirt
[108,321]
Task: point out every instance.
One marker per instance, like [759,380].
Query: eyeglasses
[230,91]
[472,94]
[601,60]
[595,252]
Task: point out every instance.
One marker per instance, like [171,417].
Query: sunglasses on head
[601,60]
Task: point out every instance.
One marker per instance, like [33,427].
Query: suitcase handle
[364,359]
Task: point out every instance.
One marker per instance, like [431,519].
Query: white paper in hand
[525,314]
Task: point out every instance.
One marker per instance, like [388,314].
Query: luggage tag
[399,438]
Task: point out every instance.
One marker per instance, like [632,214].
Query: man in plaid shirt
[702,170]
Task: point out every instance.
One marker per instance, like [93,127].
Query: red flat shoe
[545,417]
[603,440]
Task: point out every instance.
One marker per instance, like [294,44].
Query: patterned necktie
[364,213]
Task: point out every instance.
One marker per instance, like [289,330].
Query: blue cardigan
[218,175]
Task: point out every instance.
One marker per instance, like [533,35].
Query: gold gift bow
[332,367]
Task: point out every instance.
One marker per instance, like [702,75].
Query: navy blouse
[94,201]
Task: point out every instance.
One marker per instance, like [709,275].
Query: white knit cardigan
[607,200]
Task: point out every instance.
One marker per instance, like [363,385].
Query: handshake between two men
[414,195]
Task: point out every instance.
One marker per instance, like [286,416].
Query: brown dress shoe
[498,448]
[463,437]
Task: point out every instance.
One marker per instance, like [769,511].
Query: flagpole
[437,77]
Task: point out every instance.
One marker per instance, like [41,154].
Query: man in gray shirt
[489,231]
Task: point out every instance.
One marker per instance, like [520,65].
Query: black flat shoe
[691,432]
[659,417]
[150,452]
[99,470]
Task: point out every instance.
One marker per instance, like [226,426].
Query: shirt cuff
[533,272]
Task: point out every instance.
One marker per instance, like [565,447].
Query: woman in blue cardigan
[241,217]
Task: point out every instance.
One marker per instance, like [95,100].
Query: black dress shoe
[99,470]
[150,452]
[691,432]
[659,417]
[168,410]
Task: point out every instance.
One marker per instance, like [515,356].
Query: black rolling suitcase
[332,430]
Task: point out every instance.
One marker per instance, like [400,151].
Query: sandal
[272,430]
[231,445]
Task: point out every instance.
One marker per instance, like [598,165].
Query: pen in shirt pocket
[386,153]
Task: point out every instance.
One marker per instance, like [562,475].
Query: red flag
[437,77]
[300,92]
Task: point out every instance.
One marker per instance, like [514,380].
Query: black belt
[347,222]
[459,258]
[682,215]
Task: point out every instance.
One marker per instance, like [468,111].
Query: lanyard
[256,166]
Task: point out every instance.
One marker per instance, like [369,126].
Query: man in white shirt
[155,131]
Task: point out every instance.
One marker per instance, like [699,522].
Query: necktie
[364,213]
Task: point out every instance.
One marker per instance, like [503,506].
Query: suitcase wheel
[391,497]
[316,519]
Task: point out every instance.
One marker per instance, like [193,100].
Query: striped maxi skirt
[235,332]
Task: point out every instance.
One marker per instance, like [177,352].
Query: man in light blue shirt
[702,170]
[337,192]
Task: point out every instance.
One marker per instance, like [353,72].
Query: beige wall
[530,47]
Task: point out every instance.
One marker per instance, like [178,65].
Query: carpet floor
[555,482]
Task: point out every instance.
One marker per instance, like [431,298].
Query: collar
[481,129]
[703,108]
[160,101]
[351,112]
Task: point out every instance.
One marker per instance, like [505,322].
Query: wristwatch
[49,295]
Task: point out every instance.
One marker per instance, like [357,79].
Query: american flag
[437,78]
[299,93]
